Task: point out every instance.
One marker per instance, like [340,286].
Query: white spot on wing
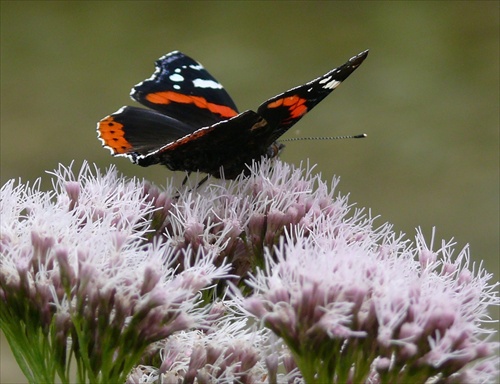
[332,84]
[198,67]
[323,81]
[176,77]
[200,83]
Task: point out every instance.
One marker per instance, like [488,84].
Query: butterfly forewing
[284,110]
[183,89]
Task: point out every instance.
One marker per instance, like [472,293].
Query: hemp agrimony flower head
[126,281]
[78,279]
[358,305]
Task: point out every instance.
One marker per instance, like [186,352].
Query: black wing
[284,110]
[183,89]
[133,131]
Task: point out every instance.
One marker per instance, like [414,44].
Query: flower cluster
[77,273]
[355,311]
[129,281]
[242,218]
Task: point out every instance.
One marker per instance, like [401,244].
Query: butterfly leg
[186,178]
[200,183]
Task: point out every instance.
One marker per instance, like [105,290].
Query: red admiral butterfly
[195,126]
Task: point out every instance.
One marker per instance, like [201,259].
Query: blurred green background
[427,96]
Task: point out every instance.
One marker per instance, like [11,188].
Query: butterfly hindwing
[184,90]
[133,131]
[231,144]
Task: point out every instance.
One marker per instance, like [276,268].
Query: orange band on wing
[298,111]
[174,97]
[295,104]
[112,135]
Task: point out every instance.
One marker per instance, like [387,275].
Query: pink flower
[76,266]
[130,280]
[358,304]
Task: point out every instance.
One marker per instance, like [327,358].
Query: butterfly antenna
[360,136]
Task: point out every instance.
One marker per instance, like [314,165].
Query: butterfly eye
[274,149]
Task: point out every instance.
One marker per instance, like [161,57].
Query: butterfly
[194,125]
